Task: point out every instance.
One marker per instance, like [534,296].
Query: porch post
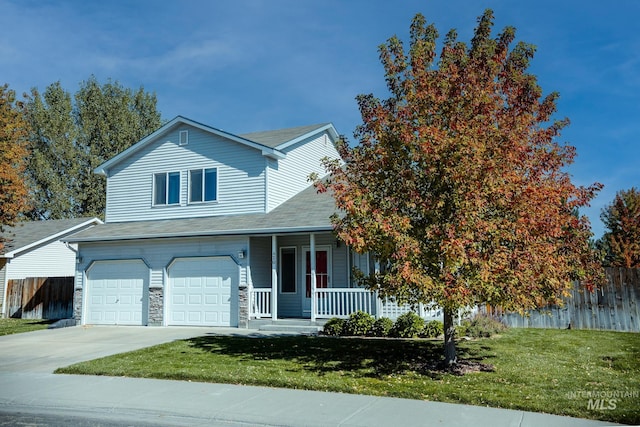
[379,302]
[274,277]
[250,297]
[312,255]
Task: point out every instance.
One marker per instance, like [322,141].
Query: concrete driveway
[45,350]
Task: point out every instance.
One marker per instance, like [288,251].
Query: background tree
[69,139]
[456,183]
[622,240]
[13,132]
[56,157]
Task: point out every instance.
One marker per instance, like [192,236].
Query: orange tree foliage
[456,183]
[13,132]
[622,218]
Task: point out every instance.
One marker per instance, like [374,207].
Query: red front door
[322,271]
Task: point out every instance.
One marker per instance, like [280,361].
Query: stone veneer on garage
[156,306]
[77,305]
[243,306]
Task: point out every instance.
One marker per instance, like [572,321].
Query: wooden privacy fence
[612,307]
[40,298]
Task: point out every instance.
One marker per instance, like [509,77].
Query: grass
[535,370]
[17,326]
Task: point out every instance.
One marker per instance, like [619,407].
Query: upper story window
[166,188]
[203,185]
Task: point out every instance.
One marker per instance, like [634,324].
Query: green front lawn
[553,371]
[16,326]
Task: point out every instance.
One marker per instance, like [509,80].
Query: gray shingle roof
[28,233]
[306,212]
[274,138]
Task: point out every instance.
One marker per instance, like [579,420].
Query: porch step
[291,328]
[299,326]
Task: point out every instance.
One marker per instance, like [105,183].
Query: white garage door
[115,291]
[201,290]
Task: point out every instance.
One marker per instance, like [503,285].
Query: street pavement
[30,394]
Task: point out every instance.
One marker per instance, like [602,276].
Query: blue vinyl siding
[289,176]
[238,172]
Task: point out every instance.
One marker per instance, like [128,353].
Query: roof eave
[328,127]
[266,151]
[273,154]
[213,233]
[52,237]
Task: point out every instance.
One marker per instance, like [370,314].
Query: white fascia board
[103,168]
[238,232]
[52,237]
[266,151]
[328,127]
[273,153]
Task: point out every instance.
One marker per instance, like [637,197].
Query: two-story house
[204,227]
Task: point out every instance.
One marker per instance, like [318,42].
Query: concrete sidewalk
[28,386]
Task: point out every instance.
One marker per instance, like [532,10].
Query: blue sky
[245,66]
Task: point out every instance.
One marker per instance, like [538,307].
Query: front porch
[309,278]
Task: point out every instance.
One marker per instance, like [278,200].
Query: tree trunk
[450,357]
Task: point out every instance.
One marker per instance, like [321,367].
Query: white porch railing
[341,302]
[393,310]
[260,303]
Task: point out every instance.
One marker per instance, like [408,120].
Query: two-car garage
[198,291]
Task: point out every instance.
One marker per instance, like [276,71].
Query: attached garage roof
[306,212]
[26,235]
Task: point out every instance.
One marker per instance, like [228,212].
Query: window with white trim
[166,188]
[287,270]
[203,185]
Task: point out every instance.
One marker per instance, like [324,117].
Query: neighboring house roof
[268,142]
[26,235]
[307,211]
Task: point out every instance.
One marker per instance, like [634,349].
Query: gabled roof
[293,216]
[26,235]
[270,143]
[282,138]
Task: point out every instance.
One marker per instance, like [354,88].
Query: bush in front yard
[333,327]
[358,323]
[408,325]
[481,326]
[381,327]
[432,329]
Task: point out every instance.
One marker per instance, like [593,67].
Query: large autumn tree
[622,219]
[13,152]
[456,182]
[73,135]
